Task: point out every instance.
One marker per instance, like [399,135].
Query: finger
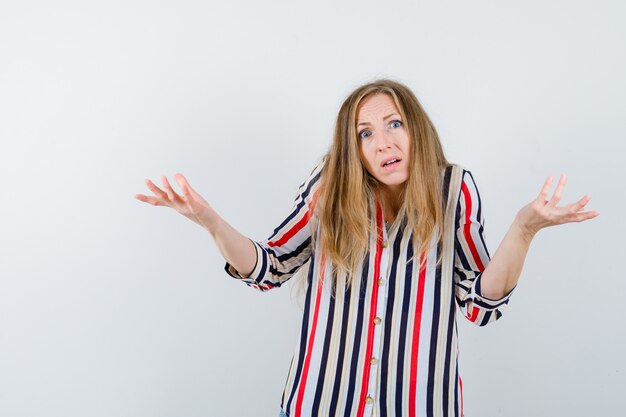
[586,215]
[187,188]
[156,190]
[188,197]
[191,193]
[170,191]
[182,182]
[543,195]
[147,199]
[580,204]
[556,197]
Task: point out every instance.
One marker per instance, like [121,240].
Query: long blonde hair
[347,190]
[344,204]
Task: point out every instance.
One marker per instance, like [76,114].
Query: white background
[112,307]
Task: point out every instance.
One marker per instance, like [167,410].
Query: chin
[392,184]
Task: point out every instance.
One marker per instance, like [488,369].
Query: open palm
[542,212]
[190,204]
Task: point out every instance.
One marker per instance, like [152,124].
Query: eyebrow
[384,118]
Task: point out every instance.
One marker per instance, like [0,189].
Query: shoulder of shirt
[459,175]
[318,166]
[456,169]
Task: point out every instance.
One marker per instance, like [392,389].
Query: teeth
[390,162]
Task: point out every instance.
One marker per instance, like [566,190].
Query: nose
[384,140]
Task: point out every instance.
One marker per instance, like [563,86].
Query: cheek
[407,144]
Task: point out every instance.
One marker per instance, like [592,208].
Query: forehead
[376,107]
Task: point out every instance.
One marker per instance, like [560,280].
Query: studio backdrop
[112,307]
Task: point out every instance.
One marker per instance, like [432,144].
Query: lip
[391,158]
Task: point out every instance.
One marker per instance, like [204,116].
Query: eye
[364,134]
[395,124]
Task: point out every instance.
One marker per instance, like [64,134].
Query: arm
[504,270]
[238,250]
[235,247]
[471,258]
[263,265]
[288,248]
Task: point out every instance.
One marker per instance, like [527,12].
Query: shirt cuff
[488,303]
[259,268]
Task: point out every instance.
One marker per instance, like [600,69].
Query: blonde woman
[392,234]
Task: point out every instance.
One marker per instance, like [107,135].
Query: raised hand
[190,204]
[542,212]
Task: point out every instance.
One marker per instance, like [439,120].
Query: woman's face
[383,141]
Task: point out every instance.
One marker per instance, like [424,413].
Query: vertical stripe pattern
[386,346]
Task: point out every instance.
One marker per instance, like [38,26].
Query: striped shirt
[387,345]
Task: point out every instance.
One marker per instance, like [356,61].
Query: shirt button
[384,244]
[377,320]
[373,361]
[381,282]
[369,400]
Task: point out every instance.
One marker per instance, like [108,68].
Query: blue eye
[364,134]
[395,124]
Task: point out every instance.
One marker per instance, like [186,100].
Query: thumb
[188,191]
[184,184]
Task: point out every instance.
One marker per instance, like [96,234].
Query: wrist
[212,225]
[527,232]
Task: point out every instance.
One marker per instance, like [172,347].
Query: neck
[391,203]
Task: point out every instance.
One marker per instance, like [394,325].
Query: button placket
[372,389]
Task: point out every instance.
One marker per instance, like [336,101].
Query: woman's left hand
[542,213]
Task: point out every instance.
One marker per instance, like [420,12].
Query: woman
[393,235]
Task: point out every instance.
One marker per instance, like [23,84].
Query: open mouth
[391,163]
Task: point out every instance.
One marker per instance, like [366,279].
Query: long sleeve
[471,258]
[289,247]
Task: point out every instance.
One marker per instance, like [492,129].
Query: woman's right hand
[190,204]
